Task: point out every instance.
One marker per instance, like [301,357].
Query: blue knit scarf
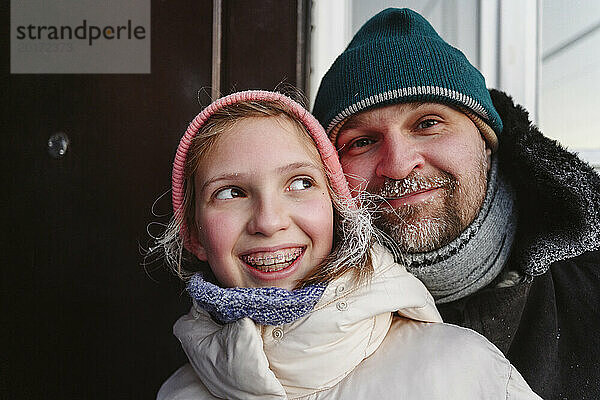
[265,306]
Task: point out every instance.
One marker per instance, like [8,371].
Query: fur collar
[558,194]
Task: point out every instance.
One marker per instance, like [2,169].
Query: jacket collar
[249,361]
[558,194]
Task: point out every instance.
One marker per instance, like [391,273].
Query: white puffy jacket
[382,339]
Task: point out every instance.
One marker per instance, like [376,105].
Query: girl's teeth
[279,257]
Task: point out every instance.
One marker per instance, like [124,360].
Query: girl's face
[264,215]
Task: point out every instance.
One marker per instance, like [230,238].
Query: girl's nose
[398,157]
[269,215]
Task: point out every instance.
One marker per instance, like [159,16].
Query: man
[500,223]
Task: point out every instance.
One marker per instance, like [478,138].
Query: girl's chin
[282,276]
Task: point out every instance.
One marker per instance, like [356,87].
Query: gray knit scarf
[478,254]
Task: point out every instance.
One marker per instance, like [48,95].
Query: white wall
[570,88]
[331,33]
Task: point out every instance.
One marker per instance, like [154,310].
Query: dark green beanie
[397,57]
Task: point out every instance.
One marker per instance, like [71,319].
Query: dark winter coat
[547,325]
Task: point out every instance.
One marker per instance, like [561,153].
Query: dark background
[82,317]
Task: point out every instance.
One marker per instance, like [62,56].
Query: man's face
[427,160]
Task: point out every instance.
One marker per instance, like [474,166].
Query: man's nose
[399,156]
[269,215]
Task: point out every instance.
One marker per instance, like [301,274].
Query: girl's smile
[264,215]
[274,266]
[274,261]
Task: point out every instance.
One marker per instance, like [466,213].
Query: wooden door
[81,316]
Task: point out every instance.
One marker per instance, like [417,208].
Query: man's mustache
[414,183]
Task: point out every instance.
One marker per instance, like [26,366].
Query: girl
[301,301]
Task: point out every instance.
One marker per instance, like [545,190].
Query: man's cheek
[361,174]
[357,182]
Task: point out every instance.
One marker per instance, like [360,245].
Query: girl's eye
[228,193]
[300,184]
[428,123]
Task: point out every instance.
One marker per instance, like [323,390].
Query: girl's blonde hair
[354,233]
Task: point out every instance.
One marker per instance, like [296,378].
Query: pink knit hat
[322,142]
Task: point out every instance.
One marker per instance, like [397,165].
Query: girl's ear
[199,251]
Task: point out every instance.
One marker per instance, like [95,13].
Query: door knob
[58,145]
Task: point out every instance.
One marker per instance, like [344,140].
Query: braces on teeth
[274,259]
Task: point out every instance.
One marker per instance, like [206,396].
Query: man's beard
[431,224]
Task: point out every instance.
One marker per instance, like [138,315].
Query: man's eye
[428,123]
[228,193]
[300,184]
[362,142]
